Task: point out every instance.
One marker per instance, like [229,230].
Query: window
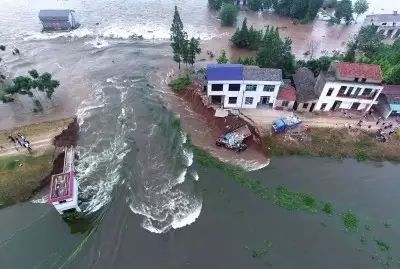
[342,89]
[232,100]
[367,91]
[363,80]
[330,91]
[394,24]
[356,79]
[217,87]
[285,103]
[248,101]
[323,106]
[305,105]
[269,88]
[251,88]
[234,87]
[384,23]
[357,92]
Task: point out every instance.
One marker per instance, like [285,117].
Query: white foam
[40,200]
[188,217]
[195,175]
[98,43]
[181,178]
[188,154]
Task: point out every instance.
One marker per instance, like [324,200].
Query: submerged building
[64,187]
[387,24]
[58,19]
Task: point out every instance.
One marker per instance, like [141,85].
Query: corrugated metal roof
[224,72]
[262,74]
[54,13]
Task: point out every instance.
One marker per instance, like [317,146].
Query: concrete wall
[242,93]
[278,105]
[365,104]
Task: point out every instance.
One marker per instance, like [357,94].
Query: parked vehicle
[234,140]
[58,19]
[283,125]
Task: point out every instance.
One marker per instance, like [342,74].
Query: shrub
[180,83]
[350,220]
[228,14]
[383,246]
[327,208]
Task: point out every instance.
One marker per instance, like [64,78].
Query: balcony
[364,97]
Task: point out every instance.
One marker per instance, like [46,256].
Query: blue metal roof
[224,72]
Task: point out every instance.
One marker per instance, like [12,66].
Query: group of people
[20,140]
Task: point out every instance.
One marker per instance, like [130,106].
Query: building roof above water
[217,72]
[61,187]
[287,93]
[355,70]
[262,74]
[54,14]
[382,18]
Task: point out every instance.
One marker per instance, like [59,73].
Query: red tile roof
[352,70]
[287,93]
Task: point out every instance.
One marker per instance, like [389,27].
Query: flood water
[152,205]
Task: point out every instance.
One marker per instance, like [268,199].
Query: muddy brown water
[153,205]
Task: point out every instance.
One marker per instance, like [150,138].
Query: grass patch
[22,174]
[350,220]
[180,83]
[383,246]
[334,143]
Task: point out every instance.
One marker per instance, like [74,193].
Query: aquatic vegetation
[327,208]
[261,251]
[294,200]
[367,227]
[383,246]
[350,220]
[387,225]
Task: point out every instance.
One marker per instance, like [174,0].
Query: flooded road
[153,204]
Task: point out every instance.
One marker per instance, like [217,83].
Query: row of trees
[184,49]
[302,10]
[272,50]
[345,9]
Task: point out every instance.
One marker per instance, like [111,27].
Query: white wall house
[387,24]
[236,86]
[349,86]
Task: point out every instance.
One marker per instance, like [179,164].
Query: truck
[283,125]
[234,140]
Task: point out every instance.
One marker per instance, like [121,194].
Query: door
[312,107]
[265,100]
[355,106]
[336,105]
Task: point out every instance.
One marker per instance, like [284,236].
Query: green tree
[360,7]
[193,48]
[329,4]
[255,5]
[228,14]
[393,74]
[344,10]
[178,38]
[313,8]
[240,37]
[216,4]
[222,59]
[275,52]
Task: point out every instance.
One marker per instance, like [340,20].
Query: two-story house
[387,24]
[389,101]
[349,86]
[238,86]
